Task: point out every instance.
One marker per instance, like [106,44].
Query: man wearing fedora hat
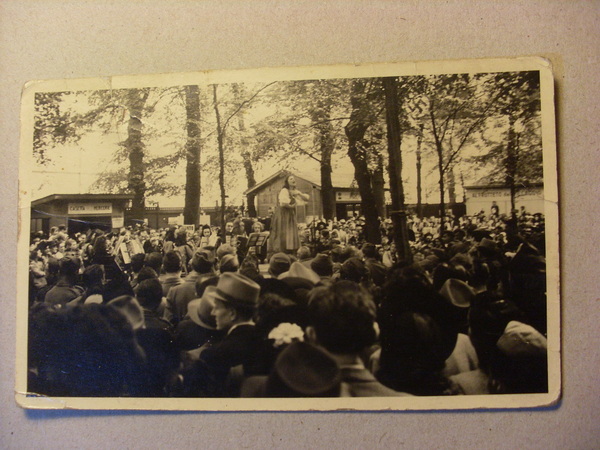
[235,299]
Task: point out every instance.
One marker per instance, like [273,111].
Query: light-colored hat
[237,290]
[520,339]
[201,308]
[299,270]
[94,298]
[130,308]
[457,292]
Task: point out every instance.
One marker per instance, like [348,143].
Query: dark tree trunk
[321,118]
[511,162]
[451,183]
[251,183]
[367,203]
[327,194]
[442,183]
[245,152]
[136,99]
[221,158]
[191,209]
[394,138]
[439,148]
[419,166]
[379,187]
[355,132]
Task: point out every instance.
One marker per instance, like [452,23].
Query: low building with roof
[267,191]
[481,197]
[347,197]
[79,212]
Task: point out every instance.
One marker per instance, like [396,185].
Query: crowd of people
[175,313]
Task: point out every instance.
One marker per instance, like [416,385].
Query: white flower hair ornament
[286,333]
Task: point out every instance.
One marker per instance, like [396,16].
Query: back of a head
[153,260]
[146,273]
[170,234]
[225,249]
[337,254]
[279,263]
[229,263]
[181,237]
[171,262]
[274,309]
[408,285]
[354,269]
[52,267]
[100,246]
[303,253]
[413,349]
[369,251]
[202,263]
[250,268]
[93,275]
[137,262]
[117,286]
[343,317]
[69,267]
[322,265]
[149,294]
[348,252]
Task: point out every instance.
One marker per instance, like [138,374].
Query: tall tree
[231,104]
[64,118]
[321,118]
[135,99]
[378,183]
[364,94]
[394,138]
[245,150]
[193,147]
[221,148]
[456,107]
[419,168]
[512,144]
[518,101]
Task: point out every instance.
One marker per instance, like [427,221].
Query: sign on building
[118,222]
[89,208]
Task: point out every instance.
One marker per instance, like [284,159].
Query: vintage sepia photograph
[366,237]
